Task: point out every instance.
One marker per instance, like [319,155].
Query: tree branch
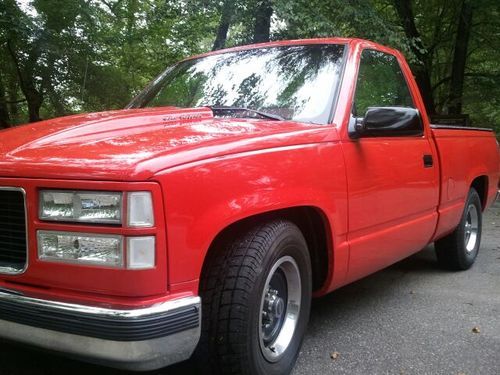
[471,74]
[112,7]
[12,101]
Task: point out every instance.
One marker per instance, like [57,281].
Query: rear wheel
[458,250]
[256,293]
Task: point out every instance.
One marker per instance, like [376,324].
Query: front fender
[203,198]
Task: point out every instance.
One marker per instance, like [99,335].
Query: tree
[262,21]
[18,30]
[4,111]
[67,56]
[422,67]
[460,58]
[226,17]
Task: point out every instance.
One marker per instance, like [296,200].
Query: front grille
[13,247]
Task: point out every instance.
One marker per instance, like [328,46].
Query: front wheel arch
[313,224]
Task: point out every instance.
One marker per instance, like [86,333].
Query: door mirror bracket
[356,127]
[359,125]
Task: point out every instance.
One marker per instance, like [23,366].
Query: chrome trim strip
[11,270]
[105,312]
[459,127]
[130,355]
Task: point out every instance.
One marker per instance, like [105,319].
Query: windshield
[291,82]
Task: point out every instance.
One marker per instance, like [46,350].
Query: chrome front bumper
[141,339]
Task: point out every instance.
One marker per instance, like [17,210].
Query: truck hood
[135,144]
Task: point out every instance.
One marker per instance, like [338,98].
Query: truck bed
[464,153]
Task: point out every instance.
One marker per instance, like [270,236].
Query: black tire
[458,250]
[232,290]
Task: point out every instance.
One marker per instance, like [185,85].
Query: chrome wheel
[458,250]
[279,307]
[471,228]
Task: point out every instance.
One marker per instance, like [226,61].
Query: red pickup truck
[238,185]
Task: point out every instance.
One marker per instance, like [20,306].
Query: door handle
[428,161]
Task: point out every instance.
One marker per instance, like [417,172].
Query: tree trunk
[224,23]
[14,102]
[262,26]
[4,112]
[421,69]
[49,89]
[34,98]
[460,59]
[56,101]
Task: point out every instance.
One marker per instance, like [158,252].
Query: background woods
[64,56]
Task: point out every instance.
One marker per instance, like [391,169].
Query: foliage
[64,56]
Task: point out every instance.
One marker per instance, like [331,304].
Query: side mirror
[387,122]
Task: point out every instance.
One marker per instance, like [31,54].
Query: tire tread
[450,250]
[225,288]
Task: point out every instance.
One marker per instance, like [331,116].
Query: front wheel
[458,250]
[256,293]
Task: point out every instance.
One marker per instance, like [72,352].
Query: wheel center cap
[275,305]
[278,307]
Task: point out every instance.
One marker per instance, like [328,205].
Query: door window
[381,83]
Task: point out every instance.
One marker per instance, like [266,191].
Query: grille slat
[11,220]
[12,259]
[12,229]
[9,245]
[13,225]
[11,235]
[7,211]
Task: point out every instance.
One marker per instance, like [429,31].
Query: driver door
[392,193]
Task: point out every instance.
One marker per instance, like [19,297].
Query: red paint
[378,202]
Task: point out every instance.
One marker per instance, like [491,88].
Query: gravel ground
[411,318]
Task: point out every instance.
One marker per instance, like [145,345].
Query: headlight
[105,250]
[81,206]
[96,249]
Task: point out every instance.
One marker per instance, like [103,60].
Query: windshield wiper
[225,109]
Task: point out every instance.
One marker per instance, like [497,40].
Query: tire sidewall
[289,242]
[465,257]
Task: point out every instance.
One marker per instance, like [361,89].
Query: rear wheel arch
[480,184]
